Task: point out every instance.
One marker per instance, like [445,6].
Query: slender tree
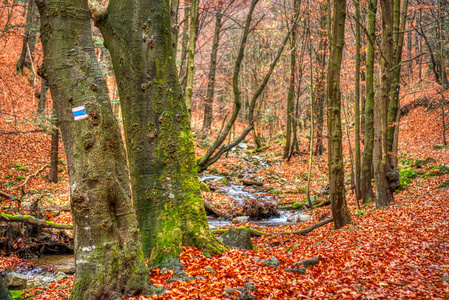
[357,100]
[384,195]
[108,252]
[340,211]
[191,54]
[291,88]
[207,121]
[365,184]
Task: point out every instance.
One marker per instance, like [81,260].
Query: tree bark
[42,97]
[53,173]
[340,212]
[166,191]
[108,253]
[366,188]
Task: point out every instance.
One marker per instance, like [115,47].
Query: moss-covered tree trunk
[159,141]
[357,102]
[108,253]
[340,211]
[366,188]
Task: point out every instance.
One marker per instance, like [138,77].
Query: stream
[240,193]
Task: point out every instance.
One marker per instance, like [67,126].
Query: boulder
[298,218]
[241,219]
[16,281]
[238,238]
[269,262]
[4,294]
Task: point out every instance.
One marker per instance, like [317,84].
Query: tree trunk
[340,212]
[398,41]
[166,191]
[384,195]
[108,253]
[184,45]
[357,102]
[29,38]
[366,188]
[320,99]
[191,55]
[291,87]
[207,121]
[42,97]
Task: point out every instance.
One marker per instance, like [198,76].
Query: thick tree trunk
[159,141]
[366,188]
[207,121]
[340,212]
[108,252]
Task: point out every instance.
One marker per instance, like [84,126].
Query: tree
[291,88]
[159,140]
[357,101]
[207,121]
[384,195]
[366,188]
[340,211]
[29,39]
[320,99]
[108,252]
[191,54]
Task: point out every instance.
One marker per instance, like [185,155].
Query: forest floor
[401,252]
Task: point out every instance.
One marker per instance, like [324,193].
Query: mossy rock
[213,170]
[204,187]
[444,185]
[439,146]
[419,163]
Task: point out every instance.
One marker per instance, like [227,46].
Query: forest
[224,149]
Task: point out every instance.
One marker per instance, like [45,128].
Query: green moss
[18,177]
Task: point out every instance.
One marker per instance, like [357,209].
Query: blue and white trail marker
[79,112]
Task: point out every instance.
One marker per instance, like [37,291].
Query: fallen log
[251,182]
[7,196]
[310,228]
[34,221]
[323,203]
[257,233]
[307,263]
